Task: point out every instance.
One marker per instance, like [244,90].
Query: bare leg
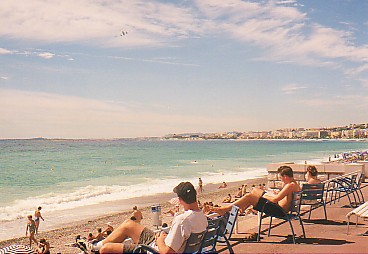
[126,229]
[32,238]
[112,248]
[243,203]
[37,222]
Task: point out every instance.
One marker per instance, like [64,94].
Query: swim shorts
[147,237]
[269,209]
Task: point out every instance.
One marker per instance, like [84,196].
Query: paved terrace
[321,236]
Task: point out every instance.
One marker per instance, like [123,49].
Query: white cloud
[279,28]
[293,88]
[4,78]
[46,55]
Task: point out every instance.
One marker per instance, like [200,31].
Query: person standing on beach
[137,214]
[191,221]
[200,186]
[31,229]
[38,216]
[258,198]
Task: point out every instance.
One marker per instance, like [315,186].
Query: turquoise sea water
[61,175]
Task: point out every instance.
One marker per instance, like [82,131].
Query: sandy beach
[61,238]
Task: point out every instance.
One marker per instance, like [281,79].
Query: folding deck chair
[279,213]
[312,194]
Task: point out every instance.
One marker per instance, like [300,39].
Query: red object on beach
[174,201]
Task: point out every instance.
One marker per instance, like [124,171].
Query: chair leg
[292,231]
[301,224]
[324,208]
[229,245]
[310,212]
[361,194]
[259,228]
[357,195]
[269,227]
[355,200]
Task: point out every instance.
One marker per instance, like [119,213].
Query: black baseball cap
[186,191]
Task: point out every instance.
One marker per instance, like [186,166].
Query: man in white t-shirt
[191,221]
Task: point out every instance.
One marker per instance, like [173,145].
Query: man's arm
[162,247]
[283,193]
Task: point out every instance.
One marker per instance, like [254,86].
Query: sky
[142,68]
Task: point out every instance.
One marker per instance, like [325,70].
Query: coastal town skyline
[105,69]
[350,131]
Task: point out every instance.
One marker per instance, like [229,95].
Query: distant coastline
[352,132]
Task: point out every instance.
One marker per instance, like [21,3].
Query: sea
[71,179]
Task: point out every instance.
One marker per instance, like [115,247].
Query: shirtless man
[257,198]
[137,214]
[37,217]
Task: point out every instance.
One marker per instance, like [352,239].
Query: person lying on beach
[137,214]
[227,199]
[191,221]
[90,237]
[99,236]
[223,185]
[311,175]
[257,198]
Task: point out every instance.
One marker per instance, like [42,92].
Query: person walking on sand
[38,216]
[31,229]
[137,214]
[200,186]
[258,198]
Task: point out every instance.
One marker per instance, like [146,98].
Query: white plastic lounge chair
[361,211]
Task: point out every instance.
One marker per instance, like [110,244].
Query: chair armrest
[144,248]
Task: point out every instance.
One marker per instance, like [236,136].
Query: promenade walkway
[322,236]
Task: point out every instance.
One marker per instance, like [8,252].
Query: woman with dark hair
[311,175]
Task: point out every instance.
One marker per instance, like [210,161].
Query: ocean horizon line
[163,138]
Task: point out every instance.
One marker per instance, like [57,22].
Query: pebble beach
[61,239]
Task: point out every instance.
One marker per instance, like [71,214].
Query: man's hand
[160,237]
[160,242]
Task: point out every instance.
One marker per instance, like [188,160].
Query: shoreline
[64,235]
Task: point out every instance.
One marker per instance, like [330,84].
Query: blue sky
[67,71]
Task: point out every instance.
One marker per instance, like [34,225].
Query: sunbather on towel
[191,221]
[257,198]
